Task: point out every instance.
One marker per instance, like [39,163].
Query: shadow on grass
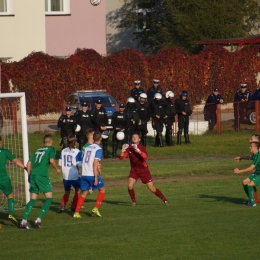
[223,198]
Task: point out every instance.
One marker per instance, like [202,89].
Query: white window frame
[9,8]
[143,11]
[66,7]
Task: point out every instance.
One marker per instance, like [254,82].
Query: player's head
[97,137]
[89,135]
[136,138]
[47,140]
[254,147]
[71,141]
[254,138]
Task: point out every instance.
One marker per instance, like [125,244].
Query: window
[57,7]
[143,20]
[6,7]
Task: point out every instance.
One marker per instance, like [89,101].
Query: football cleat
[249,204]
[37,224]
[166,203]
[61,210]
[13,219]
[76,215]
[96,212]
[24,225]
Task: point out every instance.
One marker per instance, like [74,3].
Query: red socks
[65,199]
[79,204]
[99,200]
[132,195]
[255,195]
[160,195]
[75,200]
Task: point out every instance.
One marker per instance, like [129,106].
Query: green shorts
[40,184]
[6,186]
[255,178]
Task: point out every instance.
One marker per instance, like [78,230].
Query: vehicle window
[70,99]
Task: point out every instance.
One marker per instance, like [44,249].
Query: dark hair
[257,136]
[97,136]
[71,141]
[47,138]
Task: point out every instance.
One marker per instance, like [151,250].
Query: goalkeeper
[5,181]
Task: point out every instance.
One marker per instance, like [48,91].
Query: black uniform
[240,106]
[66,125]
[144,116]
[84,120]
[133,119]
[135,93]
[170,113]
[211,108]
[119,120]
[99,119]
[151,92]
[183,120]
[158,109]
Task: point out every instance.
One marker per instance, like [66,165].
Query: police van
[74,100]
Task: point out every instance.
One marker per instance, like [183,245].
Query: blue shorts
[87,182]
[68,183]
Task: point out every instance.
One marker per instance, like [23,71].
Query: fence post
[218,119]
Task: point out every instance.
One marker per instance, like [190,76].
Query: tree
[182,23]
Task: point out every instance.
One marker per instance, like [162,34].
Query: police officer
[183,109]
[83,118]
[169,118]
[133,118]
[137,90]
[100,121]
[144,116]
[157,114]
[120,124]
[153,90]
[210,107]
[240,104]
[66,123]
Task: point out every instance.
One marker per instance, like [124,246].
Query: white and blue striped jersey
[91,153]
[69,159]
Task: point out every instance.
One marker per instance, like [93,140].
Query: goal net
[13,130]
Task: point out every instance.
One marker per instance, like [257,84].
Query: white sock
[24,221]
[39,220]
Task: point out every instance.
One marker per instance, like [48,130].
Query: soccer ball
[95,2]
[120,136]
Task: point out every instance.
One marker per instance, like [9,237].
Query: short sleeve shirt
[40,160]
[256,162]
[4,155]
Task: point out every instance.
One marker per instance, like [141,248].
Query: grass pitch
[206,220]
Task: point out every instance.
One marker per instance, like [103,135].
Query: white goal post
[14,135]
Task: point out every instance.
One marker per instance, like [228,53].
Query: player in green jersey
[253,179]
[5,181]
[38,166]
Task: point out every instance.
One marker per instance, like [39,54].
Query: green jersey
[256,162]
[41,160]
[83,148]
[4,155]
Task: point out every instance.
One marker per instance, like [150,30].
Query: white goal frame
[24,133]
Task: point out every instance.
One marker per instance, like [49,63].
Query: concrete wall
[25,31]
[85,27]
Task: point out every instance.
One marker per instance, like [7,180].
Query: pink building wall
[84,28]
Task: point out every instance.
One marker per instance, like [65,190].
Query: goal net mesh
[11,133]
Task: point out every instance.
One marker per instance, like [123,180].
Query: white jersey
[91,153]
[69,159]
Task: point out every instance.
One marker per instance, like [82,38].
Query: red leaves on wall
[47,80]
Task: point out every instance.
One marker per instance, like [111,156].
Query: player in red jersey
[139,168]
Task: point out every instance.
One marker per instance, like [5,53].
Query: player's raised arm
[124,152]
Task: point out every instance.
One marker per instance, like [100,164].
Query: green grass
[206,220]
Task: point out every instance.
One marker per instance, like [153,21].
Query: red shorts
[144,175]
